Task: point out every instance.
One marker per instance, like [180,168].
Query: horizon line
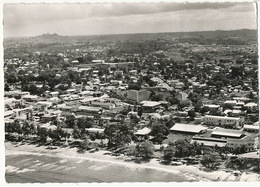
[129,33]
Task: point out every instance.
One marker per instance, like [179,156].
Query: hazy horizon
[29,20]
[126,33]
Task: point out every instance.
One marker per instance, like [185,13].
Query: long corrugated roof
[188,128]
[227,132]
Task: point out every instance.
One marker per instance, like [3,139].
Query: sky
[96,19]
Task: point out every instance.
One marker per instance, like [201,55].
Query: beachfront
[184,173]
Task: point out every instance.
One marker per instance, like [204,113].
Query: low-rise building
[251,128]
[150,106]
[30,98]
[227,133]
[188,128]
[222,121]
[135,95]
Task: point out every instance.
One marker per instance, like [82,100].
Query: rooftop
[143,131]
[221,117]
[188,128]
[227,132]
[150,103]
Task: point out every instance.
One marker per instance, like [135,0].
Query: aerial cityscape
[141,92]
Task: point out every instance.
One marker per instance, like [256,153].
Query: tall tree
[144,150]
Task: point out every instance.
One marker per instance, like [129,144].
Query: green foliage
[118,134]
[159,131]
[76,132]
[42,133]
[26,128]
[70,121]
[134,86]
[157,97]
[184,103]
[168,153]
[239,150]
[191,114]
[144,150]
[211,160]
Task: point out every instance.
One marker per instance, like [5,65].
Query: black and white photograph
[116,92]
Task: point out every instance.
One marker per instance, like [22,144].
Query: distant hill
[244,35]
[52,38]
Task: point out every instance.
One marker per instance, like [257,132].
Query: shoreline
[71,153]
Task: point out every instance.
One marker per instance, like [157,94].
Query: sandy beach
[191,172]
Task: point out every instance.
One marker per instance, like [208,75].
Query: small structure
[30,98]
[43,105]
[95,130]
[142,134]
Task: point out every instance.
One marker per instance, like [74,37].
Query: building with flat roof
[150,106]
[222,121]
[138,95]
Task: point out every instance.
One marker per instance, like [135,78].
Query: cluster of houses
[209,130]
[105,97]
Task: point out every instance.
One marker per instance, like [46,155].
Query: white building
[222,120]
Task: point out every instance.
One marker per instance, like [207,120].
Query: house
[182,114]
[54,100]
[98,61]
[150,106]
[241,99]
[89,110]
[48,126]
[212,107]
[8,113]
[231,102]
[104,105]
[179,85]
[88,100]
[142,133]
[251,106]
[43,105]
[86,93]
[11,102]
[187,128]
[233,113]
[95,130]
[251,128]
[54,94]
[75,62]
[222,121]
[181,96]
[71,91]
[30,98]
[47,118]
